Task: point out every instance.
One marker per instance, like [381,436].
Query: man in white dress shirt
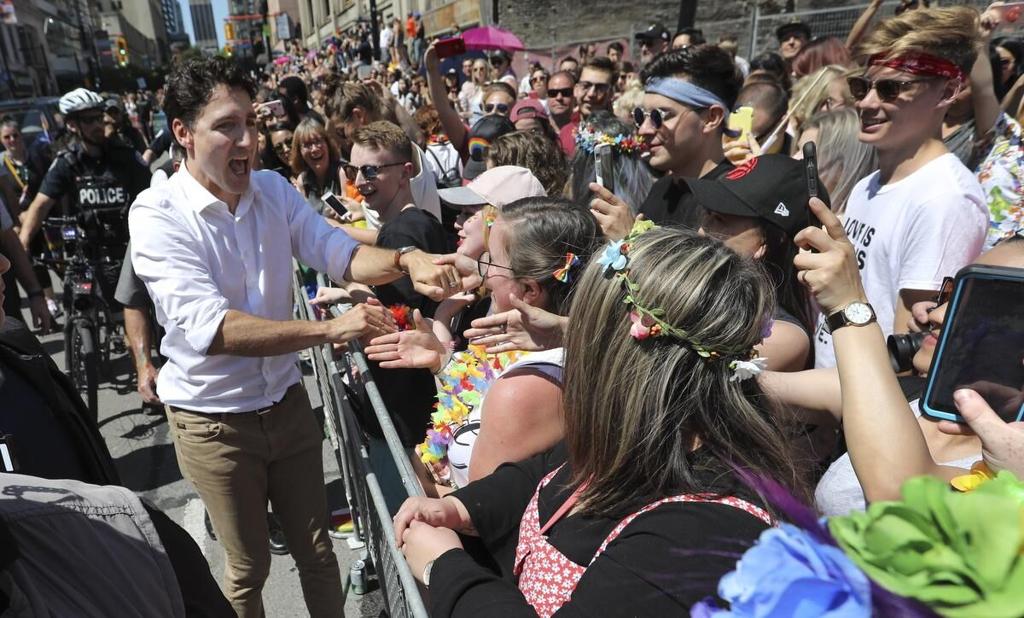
[214,246]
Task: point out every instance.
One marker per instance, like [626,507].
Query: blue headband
[683,92]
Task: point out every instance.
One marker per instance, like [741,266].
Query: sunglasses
[484,264]
[560,92]
[657,116]
[538,78]
[598,87]
[369,172]
[501,107]
[90,118]
[887,89]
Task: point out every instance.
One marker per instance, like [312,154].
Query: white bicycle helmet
[79,100]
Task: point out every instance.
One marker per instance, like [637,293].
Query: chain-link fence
[343,385]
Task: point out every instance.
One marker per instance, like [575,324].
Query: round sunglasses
[501,107]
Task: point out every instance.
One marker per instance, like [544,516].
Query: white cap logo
[781,210]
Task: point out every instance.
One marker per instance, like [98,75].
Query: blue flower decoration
[613,257]
[788,573]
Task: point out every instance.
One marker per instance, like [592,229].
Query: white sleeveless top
[464,437]
[839,492]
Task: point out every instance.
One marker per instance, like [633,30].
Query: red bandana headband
[920,64]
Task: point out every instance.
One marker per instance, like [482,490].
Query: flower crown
[649,322]
[588,139]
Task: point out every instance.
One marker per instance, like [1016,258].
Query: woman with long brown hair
[644,507]
[315,162]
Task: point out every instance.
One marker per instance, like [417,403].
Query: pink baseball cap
[527,108]
[497,186]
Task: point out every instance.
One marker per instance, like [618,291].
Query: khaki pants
[236,462]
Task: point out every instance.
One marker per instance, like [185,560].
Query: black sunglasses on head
[887,89]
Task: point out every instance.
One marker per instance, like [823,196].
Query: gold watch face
[858,313]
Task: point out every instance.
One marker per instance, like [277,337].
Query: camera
[902,349]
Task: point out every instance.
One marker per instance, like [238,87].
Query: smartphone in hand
[447,48]
[604,166]
[275,107]
[334,202]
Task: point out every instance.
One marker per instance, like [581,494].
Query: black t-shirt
[671,202]
[662,563]
[408,393]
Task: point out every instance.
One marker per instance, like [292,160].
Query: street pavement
[142,450]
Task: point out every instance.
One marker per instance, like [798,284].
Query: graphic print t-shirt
[908,235]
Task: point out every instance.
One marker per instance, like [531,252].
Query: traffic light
[229,31]
[229,51]
[120,51]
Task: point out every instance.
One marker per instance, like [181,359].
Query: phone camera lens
[902,349]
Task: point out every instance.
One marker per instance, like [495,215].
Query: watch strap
[838,319]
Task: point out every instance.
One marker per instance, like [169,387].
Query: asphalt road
[142,449]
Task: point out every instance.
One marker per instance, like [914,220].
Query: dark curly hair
[707,66]
[191,84]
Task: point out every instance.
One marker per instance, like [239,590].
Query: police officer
[94,172]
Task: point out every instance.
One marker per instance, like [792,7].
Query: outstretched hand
[418,348]
[524,327]
[831,274]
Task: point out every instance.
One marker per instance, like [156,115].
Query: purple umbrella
[489,37]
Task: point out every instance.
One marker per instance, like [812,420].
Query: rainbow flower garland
[588,139]
[464,383]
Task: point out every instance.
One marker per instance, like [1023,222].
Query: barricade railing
[337,381]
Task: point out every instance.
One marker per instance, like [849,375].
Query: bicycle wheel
[85,364]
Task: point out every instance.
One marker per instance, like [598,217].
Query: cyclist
[94,172]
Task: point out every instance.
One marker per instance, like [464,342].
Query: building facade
[321,19]
[136,33]
[203,26]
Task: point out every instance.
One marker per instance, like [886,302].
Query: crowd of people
[624,324]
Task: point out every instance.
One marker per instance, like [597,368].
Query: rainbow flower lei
[587,139]
[464,383]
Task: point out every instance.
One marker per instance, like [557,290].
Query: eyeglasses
[369,172]
[887,89]
[501,107]
[538,78]
[599,88]
[311,144]
[483,264]
[560,92]
[945,291]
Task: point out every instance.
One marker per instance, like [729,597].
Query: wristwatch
[854,314]
[399,253]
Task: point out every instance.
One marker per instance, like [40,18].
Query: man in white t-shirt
[922,215]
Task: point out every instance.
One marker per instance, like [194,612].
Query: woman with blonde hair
[646,504]
[821,91]
[842,158]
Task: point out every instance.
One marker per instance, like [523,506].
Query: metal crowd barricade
[372,525]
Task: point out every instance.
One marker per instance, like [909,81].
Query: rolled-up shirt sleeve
[170,261]
[315,242]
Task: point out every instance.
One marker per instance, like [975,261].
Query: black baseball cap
[772,188]
[792,27]
[654,32]
[481,136]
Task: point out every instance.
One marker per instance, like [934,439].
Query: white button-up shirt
[198,260]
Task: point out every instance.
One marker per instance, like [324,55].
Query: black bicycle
[90,329]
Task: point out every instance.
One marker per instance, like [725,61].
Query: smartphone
[981,346]
[810,152]
[332,200]
[276,107]
[447,48]
[604,166]
[741,123]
